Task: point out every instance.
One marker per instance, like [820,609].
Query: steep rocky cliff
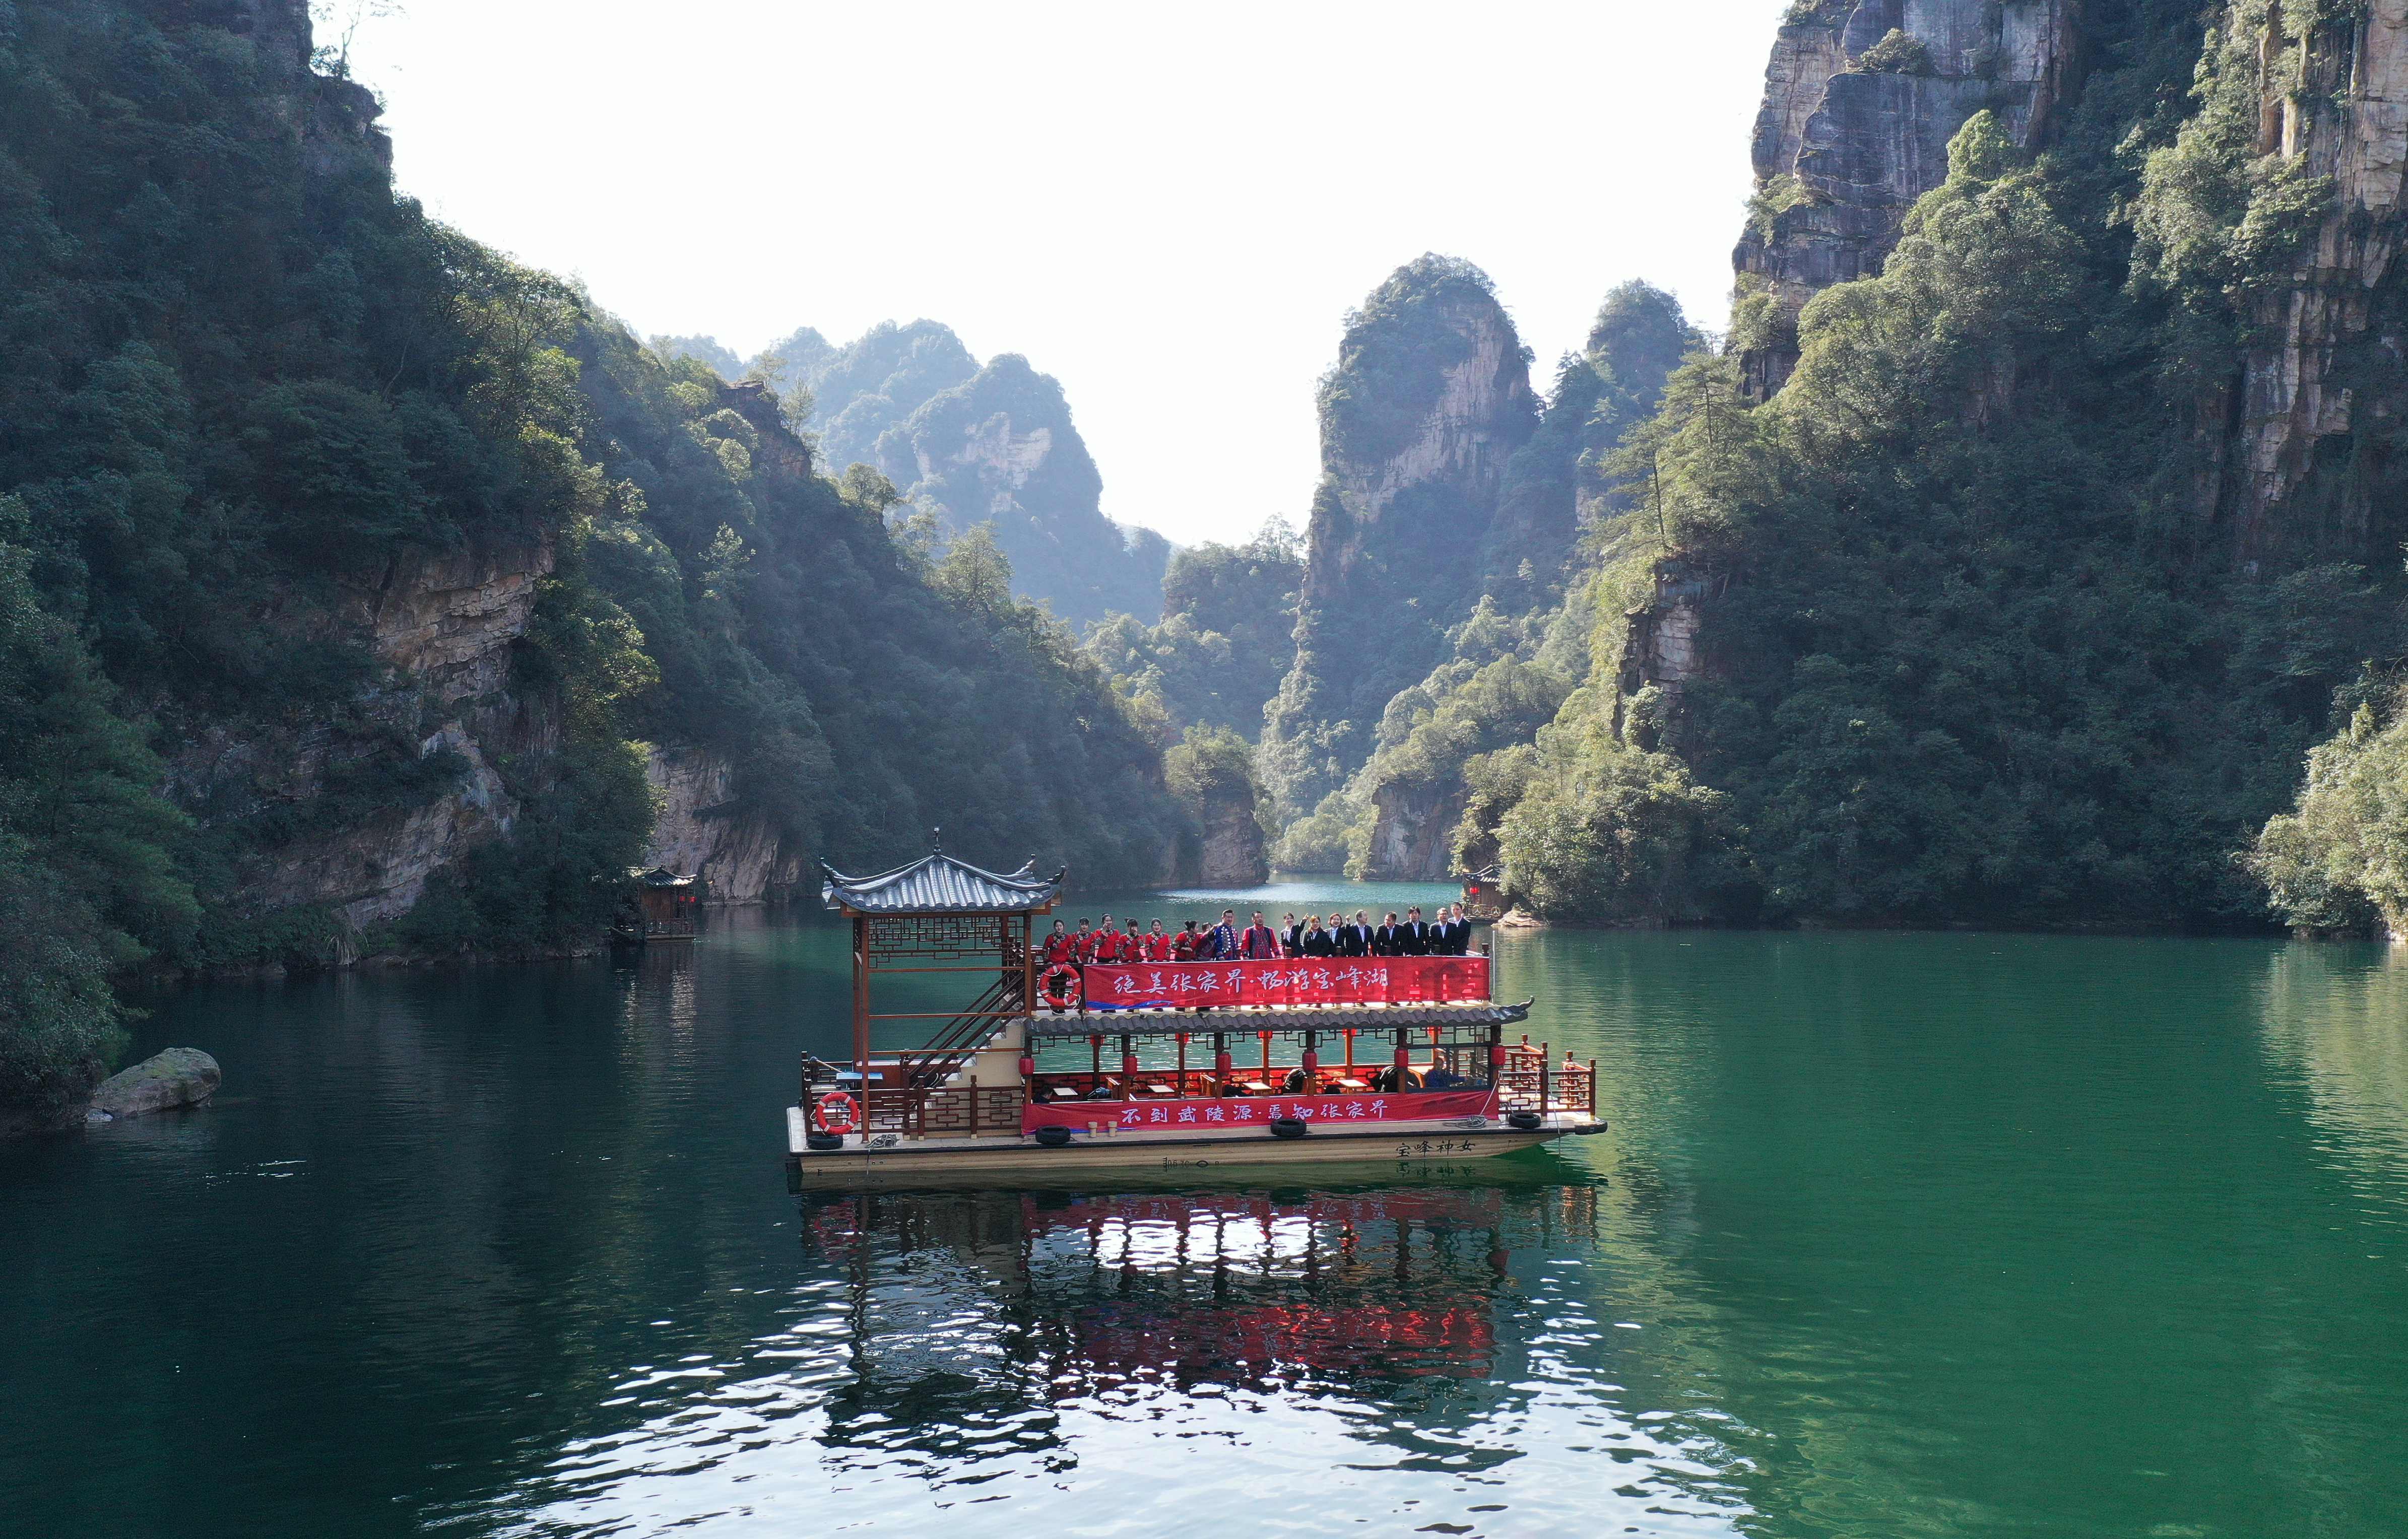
[703,827]
[1428,401]
[2328,338]
[1860,100]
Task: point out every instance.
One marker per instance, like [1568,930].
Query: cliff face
[1855,127]
[443,626]
[1430,398]
[703,829]
[1412,830]
[2326,351]
[1230,851]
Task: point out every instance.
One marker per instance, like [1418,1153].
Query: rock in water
[180,1076]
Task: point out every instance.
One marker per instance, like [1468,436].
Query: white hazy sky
[1169,207]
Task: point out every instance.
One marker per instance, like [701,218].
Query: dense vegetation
[1977,652]
[246,394]
[1228,619]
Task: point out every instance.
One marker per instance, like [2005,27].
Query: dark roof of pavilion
[1256,1018]
[936,883]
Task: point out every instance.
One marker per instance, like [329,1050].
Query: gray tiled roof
[1304,1017]
[937,883]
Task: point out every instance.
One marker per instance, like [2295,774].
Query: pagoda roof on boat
[1274,1017]
[937,883]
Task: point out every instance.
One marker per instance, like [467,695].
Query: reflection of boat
[1233,1286]
[1344,1058]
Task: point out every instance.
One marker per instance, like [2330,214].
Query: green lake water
[1894,1234]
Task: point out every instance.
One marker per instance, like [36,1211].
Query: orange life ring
[834,1106]
[1066,995]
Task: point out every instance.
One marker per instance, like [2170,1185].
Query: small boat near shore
[1157,1066]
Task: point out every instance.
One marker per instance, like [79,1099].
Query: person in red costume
[1186,945]
[1133,943]
[1083,944]
[1158,944]
[1060,945]
[1259,941]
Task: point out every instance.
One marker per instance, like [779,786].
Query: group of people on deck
[1448,935]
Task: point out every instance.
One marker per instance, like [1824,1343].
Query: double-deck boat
[1155,1065]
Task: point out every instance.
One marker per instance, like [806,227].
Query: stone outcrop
[1230,851]
[2324,360]
[180,1076]
[1430,398]
[1413,830]
[442,624]
[703,830]
[1845,144]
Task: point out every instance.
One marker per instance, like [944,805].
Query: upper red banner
[1301,980]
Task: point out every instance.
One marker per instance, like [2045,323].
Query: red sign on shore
[1236,1113]
[1301,980]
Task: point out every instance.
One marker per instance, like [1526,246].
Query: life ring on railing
[1059,986]
[836,1113]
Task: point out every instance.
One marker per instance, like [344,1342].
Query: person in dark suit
[1292,936]
[1441,932]
[1460,930]
[1318,941]
[1385,939]
[1354,939]
[1414,941]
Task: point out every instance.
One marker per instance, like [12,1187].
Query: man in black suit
[1458,933]
[1414,941]
[1291,938]
[1385,939]
[1354,939]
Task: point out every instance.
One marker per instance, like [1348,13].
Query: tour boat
[1157,1066]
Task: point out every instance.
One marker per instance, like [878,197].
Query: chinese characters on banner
[1234,1113]
[1301,980]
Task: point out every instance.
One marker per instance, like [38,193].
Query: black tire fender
[1528,1121]
[1290,1127]
[823,1142]
[1054,1138]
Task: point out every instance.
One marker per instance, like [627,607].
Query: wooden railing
[1530,1082]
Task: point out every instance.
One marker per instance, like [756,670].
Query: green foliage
[2339,859]
[1896,54]
[86,863]
[1226,630]
[1606,833]
[250,401]
[1967,654]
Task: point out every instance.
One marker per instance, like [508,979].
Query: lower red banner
[1233,1112]
[1302,981]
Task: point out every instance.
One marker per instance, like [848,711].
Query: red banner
[1231,1112]
[1301,980]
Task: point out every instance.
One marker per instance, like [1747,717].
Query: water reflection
[1136,1362]
[2337,1018]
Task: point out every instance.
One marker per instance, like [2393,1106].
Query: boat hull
[978,1159]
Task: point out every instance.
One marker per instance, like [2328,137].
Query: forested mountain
[1496,569]
[968,445]
[1430,398]
[401,569]
[2021,596]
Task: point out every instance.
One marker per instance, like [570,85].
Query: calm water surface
[1954,1234]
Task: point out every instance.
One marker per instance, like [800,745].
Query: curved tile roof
[936,883]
